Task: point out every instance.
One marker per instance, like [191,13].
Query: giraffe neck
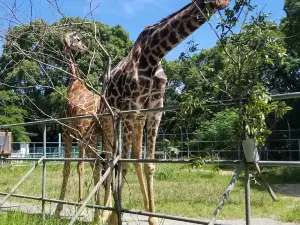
[159,39]
[74,71]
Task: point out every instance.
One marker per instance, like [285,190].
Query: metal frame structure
[117,160]
[293,147]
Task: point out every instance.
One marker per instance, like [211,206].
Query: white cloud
[131,6]
[128,8]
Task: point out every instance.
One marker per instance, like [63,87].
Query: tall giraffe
[139,81]
[81,101]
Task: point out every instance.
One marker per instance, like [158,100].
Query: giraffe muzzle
[222,4]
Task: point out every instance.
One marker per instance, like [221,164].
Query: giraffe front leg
[153,120]
[137,145]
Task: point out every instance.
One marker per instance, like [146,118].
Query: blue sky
[133,15]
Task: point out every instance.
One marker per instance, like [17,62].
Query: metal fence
[117,160]
[274,149]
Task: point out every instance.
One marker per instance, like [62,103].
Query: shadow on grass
[283,180]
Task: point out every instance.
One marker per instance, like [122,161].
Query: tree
[11,113]
[235,68]
[291,25]
[221,127]
[35,67]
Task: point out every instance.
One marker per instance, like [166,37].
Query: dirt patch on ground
[292,190]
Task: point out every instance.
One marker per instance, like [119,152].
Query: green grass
[283,175]
[18,218]
[179,191]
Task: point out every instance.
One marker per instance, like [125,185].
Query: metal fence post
[59,145]
[1,163]
[44,172]
[119,185]
[34,149]
[247,194]
[299,148]
[181,143]
[145,145]
[188,145]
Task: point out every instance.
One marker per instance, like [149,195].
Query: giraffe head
[73,41]
[222,4]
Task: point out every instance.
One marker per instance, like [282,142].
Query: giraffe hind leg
[66,171]
[107,142]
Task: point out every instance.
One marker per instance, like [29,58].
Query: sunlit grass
[19,218]
[179,191]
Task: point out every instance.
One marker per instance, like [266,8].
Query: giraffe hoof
[113,219]
[153,221]
[105,216]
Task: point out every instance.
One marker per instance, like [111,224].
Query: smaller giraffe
[81,101]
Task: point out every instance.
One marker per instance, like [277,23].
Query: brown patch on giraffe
[133,85]
[144,40]
[129,66]
[159,82]
[86,123]
[136,54]
[211,5]
[186,17]
[153,133]
[174,23]
[147,50]
[75,87]
[126,91]
[173,38]
[164,32]
[113,91]
[135,95]
[143,82]
[182,31]
[143,100]
[156,96]
[190,26]
[154,42]
[152,60]
[143,62]
[147,73]
[157,51]
[165,45]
